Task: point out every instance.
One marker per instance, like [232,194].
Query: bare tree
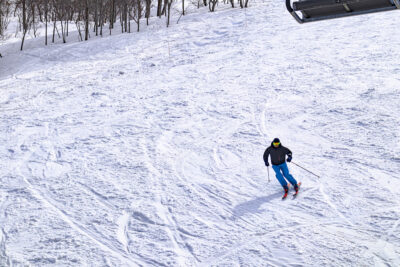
[86,13]
[212,4]
[86,20]
[24,22]
[124,15]
[46,8]
[169,3]
[5,10]
[164,10]
[96,17]
[112,14]
[148,11]
[159,8]
[137,12]
[60,15]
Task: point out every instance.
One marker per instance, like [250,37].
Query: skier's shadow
[253,206]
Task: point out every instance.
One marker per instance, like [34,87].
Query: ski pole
[268,175]
[305,169]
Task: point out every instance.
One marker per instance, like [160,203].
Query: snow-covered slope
[146,149]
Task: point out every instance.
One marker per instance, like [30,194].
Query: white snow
[146,148]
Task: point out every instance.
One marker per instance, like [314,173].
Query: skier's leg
[287,175]
[279,176]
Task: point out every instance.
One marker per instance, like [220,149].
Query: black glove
[266,163]
[289,158]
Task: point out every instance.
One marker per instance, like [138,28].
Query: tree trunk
[159,7]
[212,4]
[112,19]
[79,30]
[96,19]
[169,11]
[87,21]
[164,11]
[101,18]
[54,26]
[101,21]
[63,31]
[24,23]
[215,2]
[1,23]
[139,13]
[45,14]
[114,15]
[121,21]
[33,19]
[148,9]
[126,17]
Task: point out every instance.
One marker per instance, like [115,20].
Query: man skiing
[278,157]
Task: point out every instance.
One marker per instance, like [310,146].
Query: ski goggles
[276,144]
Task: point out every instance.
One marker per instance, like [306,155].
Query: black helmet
[276,142]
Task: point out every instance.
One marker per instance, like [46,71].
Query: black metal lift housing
[314,10]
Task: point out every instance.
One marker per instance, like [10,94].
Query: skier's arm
[289,154]
[266,155]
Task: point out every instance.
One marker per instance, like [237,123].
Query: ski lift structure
[314,10]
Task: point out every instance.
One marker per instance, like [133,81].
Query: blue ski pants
[283,169]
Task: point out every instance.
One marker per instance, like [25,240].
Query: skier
[278,155]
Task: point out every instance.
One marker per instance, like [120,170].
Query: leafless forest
[91,17]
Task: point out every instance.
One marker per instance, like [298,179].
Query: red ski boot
[286,192]
[296,189]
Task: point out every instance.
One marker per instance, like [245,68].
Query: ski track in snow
[4,259]
[63,214]
[122,229]
[146,149]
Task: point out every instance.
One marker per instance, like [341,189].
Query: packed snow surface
[146,148]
